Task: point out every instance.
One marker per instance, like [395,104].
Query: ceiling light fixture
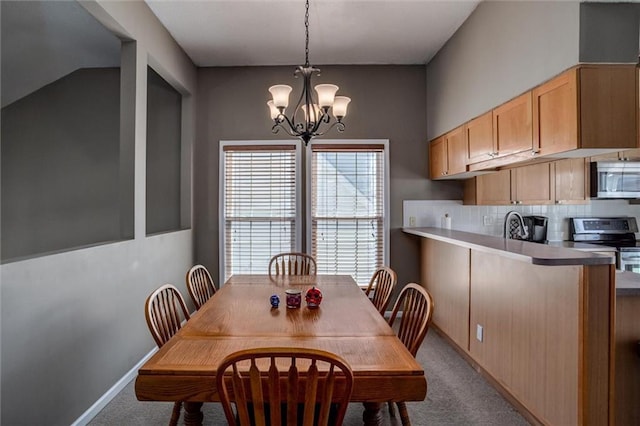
[313,112]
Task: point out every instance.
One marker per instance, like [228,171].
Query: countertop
[553,254]
[537,254]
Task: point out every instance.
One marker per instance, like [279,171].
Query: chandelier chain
[306,29]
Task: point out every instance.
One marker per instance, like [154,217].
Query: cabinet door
[480,138]
[571,181]
[494,189]
[512,126]
[608,107]
[456,142]
[437,158]
[533,184]
[555,115]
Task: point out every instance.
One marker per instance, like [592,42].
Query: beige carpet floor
[457,395]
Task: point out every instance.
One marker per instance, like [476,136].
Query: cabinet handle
[558,201]
[513,202]
[518,202]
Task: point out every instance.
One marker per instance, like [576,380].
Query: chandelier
[312,111]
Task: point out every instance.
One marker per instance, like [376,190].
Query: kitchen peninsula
[538,321]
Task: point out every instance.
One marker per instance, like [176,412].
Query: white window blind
[347,209]
[259,206]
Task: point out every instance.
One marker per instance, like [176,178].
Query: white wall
[73,323]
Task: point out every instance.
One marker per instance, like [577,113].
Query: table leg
[372,415]
[193,414]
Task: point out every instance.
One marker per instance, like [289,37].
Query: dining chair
[315,387]
[382,283]
[165,312]
[200,285]
[292,264]
[416,305]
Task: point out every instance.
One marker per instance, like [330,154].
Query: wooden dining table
[240,316]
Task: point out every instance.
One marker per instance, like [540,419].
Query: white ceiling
[62,35]
[271,32]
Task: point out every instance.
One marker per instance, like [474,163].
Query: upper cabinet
[555,108]
[533,184]
[512,126]
[590,107]
[480,146]
[448,154]
[571,181]
[584,111]
[555,182]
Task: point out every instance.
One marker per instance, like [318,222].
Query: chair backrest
[382,283]
[292,264]
[257,382]
[200,285]
[417,307]
[165,310]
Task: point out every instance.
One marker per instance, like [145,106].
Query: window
[260,205]
[347,226]
[346,223]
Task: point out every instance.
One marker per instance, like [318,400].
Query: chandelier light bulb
[326,94]
[315,111]
[273,110]
[340,106]
[280,93]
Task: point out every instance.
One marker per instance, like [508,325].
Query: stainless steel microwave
[615,179]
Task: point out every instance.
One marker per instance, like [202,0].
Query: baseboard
[105,399]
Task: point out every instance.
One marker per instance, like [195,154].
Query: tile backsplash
[489,220]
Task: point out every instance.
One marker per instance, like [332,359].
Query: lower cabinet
[627,360]
[449,286]
[541,333]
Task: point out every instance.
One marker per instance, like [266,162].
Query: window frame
[221,192]
[386,186]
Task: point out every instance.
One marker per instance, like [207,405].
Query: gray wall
[502,50]
[609,32]
[164,125]
[60,159]
[72,323]
[506,48]
[388,102]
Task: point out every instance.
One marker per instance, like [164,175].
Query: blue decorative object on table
[275,301]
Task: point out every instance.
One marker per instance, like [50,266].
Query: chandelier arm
[277,126]
[339,125]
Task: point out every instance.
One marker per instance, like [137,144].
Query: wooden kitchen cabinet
[571,181]
[437,158]
[448,154]
[588,107]
[480,139]
[530,185]
[512,126]
[555,111]
[492,189]
[533,184]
